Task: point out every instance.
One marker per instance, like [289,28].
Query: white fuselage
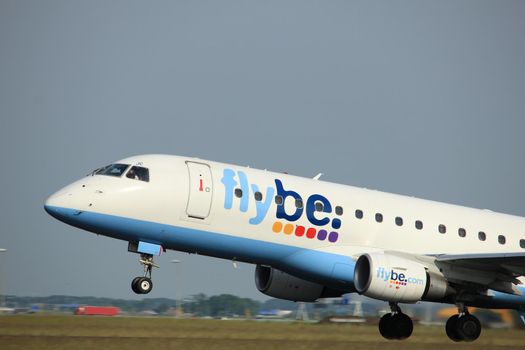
[194,205]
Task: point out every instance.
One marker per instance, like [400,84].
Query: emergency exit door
[201,190]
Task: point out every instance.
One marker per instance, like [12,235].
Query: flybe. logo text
[317,209]
[397,279]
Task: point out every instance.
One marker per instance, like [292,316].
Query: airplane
[308,238]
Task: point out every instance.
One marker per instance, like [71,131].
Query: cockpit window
[138,173]
[113,170]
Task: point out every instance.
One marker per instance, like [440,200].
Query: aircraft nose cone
[55,205]
[53,211]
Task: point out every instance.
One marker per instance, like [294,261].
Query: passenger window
[258,196]
[442,228]
[279,200]
[138,173]
[113,170]
[339,210]
[419,224]
[319,206]
[501,239]
[359,214]
[238,193]
[299,203]
[462,232]
[379,217]
[482,236]
[399,221]
[522,243]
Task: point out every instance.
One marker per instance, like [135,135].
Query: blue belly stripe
[331,270]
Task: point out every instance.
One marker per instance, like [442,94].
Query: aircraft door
[201,190]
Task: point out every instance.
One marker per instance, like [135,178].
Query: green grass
[107,333]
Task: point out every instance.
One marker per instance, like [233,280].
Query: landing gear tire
[463,328]
[451,329]
[396,326]
[468,327]
[385,326]
[134,285]
[144,285]
[403,326]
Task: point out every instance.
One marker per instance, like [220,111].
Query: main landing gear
[395,325]
[144,285]
[464,326]
[460,327]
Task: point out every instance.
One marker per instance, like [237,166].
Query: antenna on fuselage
[318,176]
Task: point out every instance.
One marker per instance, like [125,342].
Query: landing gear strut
[395,325]
[144,285]
[463,326]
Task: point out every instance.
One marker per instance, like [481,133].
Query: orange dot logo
[277,227]
[288,229]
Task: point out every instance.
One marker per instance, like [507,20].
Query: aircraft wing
[498,271]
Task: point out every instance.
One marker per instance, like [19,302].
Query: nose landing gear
[395,325]
[144,285]
[463,326]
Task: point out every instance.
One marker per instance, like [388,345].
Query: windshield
[113,170]
[138,173]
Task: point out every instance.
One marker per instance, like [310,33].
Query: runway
[85,332]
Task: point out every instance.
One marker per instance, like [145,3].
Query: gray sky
[425,98]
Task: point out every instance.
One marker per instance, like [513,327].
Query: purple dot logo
[333,237]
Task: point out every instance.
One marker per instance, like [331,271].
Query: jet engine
[278,284]
[397,279]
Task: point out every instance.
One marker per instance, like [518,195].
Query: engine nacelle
[393,278]
[281,285]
